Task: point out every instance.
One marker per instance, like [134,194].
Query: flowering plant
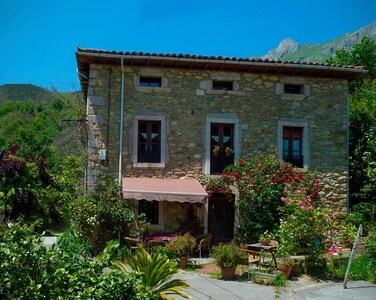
[304,224]
[263,181]
[286,261]
[265,237]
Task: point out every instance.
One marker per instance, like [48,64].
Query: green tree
[362,148]
[101,215]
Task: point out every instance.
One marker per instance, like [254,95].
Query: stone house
[160,123]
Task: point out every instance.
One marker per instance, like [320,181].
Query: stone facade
[186,105]
[185,100]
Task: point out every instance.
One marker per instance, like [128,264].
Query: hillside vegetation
[28,110]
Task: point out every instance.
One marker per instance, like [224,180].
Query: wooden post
[352,256]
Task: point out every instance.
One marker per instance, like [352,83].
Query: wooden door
[221,217]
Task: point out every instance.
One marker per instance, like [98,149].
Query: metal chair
[203,241]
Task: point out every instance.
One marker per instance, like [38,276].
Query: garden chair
[203,241]
[153,243]
[253,257]
[133,243]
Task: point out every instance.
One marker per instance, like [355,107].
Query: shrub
[228,255]
[261,182]
[182,246]
[304,224]
[371,250]
[101,215]
[29,271]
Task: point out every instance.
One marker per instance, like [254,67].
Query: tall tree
[362,121]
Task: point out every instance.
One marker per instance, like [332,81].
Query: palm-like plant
[154,271]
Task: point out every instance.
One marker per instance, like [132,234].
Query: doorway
[221,218]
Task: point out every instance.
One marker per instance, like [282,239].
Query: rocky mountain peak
[285,47]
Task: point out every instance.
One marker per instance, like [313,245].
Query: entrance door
[221,217]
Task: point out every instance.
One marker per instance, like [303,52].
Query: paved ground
[205,287]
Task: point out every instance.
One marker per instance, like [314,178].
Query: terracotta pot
[295,269]
[228,273]
[183,262]
[286,270]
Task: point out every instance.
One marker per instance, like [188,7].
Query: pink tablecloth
[163,237]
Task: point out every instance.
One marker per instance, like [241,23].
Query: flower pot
[228,273]
[183,262]
[295,269]
[286,270]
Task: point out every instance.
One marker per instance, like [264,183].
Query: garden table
[160,237]
[258,247]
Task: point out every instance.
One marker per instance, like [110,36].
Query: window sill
[145,89]
[149,165]
[298,97]
[220,92]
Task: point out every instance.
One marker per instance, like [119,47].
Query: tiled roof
[220,63]
[213,58]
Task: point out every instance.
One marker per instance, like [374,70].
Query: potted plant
[216,150]
[228,151]
[182,247]
[265,238]
[285,265]
[227,257]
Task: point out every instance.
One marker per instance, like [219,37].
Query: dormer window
[150,81]
[293,89]
[222,85]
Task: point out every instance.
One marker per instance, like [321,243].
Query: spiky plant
[154,271]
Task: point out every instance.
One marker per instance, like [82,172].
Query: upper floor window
[293,89]
[222,147]
[293,145]
[150,81]
[149,142]
[222,85]
[150,209]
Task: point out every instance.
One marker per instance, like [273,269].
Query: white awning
[180,190]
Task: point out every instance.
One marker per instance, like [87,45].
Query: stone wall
[185,100]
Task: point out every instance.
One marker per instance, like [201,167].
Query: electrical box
[102,154]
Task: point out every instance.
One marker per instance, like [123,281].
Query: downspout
[348,147]
[121,121]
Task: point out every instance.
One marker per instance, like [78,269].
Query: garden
[279,207]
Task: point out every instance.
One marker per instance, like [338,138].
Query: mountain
[55,115]
[25,92]
[290,50]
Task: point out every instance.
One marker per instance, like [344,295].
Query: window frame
[222,85]
[293,89]
[220,118]
[149,141]
[163,140]
[305,138]
[149,81]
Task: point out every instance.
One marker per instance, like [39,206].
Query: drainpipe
[121,120]
[348,148]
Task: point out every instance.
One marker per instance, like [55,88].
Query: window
[221,147]
[293,145]
[149,142]
[222,85]
[150,81]
[150,209]
[293,89]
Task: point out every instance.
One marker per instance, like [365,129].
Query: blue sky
[38,38]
